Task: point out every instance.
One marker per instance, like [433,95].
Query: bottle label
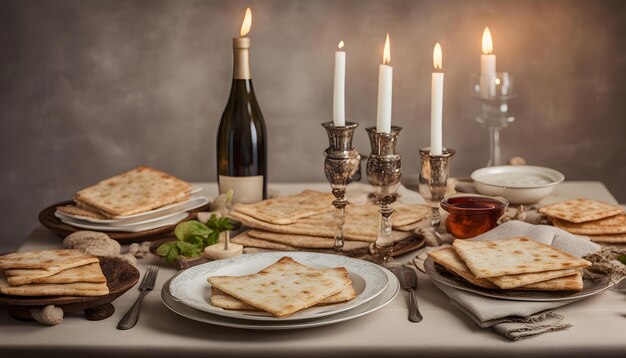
[245,189]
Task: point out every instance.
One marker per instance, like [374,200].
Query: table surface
[599,322]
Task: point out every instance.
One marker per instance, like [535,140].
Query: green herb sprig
[192,237]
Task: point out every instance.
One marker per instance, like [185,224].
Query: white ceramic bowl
[519,184]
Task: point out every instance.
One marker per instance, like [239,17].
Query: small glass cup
[472,215]
[495,92]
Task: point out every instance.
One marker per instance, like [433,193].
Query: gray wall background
[92,88]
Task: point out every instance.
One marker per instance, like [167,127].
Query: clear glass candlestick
[433,179]
[384,170]
[494,93]
[341,164]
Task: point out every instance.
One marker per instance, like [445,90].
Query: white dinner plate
[130,228]
[191,287]
[441,275]
[192,203]
[176,306]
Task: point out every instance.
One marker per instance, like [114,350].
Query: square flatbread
[609,239]
[513,256]
[53,289]
[580,210]
[225,301]
[449,259]
[568,283]
[287,209]
[87,273]
[350,248]
[611,225]
[304,241]
[247,241]
[524,279]
[49,260]
[76,211]
[136,191]
[361,222]
[284,287]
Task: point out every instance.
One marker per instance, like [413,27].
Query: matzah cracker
[611,225]
[284,287]
[247,241]
[136,191]
[287,209]
[49,289]
[77,211]
[449,259]
[50,260]
[361,223]
[513,256]
[223,300]
[580,210]
[305,241]
[87,273]
[609,239]
[523,279]
[568,283]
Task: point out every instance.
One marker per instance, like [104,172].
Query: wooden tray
[52,223]
[399,248]
[121,276]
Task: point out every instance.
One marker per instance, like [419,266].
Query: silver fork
[147,284]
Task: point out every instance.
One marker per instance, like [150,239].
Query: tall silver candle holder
[384,170]
[494,91]
[433,180]
[341,163]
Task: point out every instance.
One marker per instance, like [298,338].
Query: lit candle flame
[437,57]
[340,46]
[247,23]
[387,52]
[487,42]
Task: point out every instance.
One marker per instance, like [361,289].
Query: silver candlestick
[433,181]
[341,163]
[384,170]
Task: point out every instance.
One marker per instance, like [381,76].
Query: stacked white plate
[188,293]
[149,220]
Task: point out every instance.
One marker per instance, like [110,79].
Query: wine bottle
[242,138]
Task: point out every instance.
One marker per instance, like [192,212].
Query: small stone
[145,246]
[129,258]
[49,315]
[91,242]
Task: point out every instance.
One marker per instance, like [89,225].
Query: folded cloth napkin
[516,319]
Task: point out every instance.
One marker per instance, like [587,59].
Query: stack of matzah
[51,273]
[283,288]
[136,191]
[139,200]
[601,222]
[306,221]
[514,264]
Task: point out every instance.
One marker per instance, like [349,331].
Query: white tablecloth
[599,323]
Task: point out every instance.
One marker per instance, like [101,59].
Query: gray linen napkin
[516,319]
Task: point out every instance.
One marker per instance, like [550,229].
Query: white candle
[385,84]
[487,66]
[436,104]
[339,95]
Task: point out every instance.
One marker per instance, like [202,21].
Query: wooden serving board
[52,223]
[120,275]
